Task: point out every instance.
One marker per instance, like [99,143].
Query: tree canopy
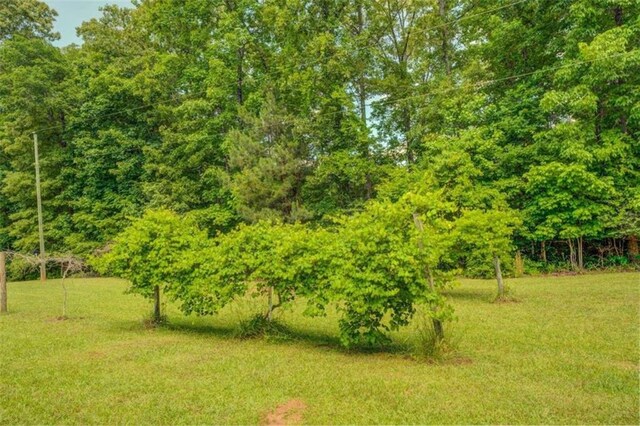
[522,115]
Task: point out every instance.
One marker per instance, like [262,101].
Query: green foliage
[567,201]
[26,18]
[269,165]
[377,272]
[341,182]
[483,235]
[617,260]
[155,250]
[32,79]
[298,112]
[369,265]
[264,258]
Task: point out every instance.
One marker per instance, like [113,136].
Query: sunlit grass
[567,352]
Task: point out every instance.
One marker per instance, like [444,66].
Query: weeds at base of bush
[428,347]
[506,297]
[150,322]
[258,326]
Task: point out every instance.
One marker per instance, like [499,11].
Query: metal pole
[43,268]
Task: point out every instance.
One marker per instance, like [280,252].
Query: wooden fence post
[3,282]
[496,264]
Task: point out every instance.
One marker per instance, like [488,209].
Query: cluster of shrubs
[374,266]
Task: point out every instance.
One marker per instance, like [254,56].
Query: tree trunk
[63,272]
[572,254]
[407,130]
[64,300]
[632,245]
[3,282]
[580,261]
[437,324]
[240,76]
[543,252]
[362,90]
[362,94]
[156,305]
[617,15]
[362,98]
[445,36]
[615,247]
[496,264]
[270,311]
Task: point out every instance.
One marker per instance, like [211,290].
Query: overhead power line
[473,87]
[302,64]
[480,84]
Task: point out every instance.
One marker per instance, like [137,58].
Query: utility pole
[43,262]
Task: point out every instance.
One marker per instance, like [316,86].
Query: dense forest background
[231,111]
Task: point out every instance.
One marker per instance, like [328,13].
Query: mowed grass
[568,352]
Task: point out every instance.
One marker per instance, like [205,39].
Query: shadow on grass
[224,332]
[472,295]
[287,335]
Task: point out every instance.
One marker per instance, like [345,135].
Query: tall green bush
[157,254]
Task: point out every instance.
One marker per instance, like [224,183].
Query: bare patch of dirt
[289,413]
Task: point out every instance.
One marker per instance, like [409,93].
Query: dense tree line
[516,114]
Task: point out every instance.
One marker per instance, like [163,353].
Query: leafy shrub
[482,235]
[535,267]
[377,273]
[485,237]
[157,252]
[18,269]
[616,261]
[273,258]
[374,266]
[476,265]
[368,265]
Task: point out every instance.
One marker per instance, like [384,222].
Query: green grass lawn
[567,353]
